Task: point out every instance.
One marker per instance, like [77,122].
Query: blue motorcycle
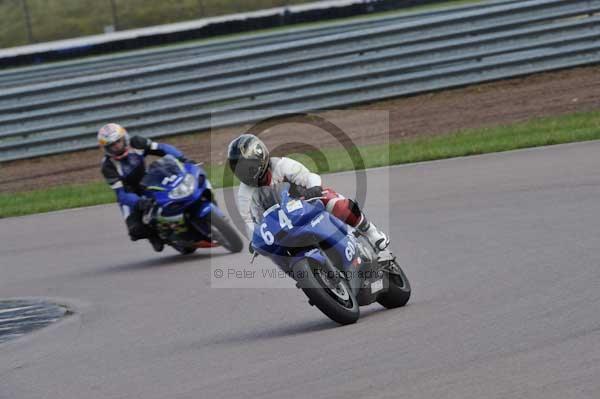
[185,214]
[336,267]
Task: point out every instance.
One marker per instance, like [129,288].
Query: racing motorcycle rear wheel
[185,250]
[331,295]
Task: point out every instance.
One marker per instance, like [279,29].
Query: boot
[376,237]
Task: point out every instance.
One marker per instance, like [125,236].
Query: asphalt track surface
[502,251]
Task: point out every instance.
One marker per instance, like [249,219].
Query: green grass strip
[53,20]
[533,133]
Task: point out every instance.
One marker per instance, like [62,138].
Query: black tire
[185,250]
[226,234]
[323,297]
[399,290]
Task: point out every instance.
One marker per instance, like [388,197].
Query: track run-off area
[501,250]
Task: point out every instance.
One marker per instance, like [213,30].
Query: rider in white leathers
[249,160]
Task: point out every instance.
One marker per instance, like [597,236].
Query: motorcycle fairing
[313,230]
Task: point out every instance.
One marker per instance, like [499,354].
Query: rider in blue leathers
[123,168]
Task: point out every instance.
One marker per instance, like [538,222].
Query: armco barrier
[339,68]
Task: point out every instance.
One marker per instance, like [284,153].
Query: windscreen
[160,169]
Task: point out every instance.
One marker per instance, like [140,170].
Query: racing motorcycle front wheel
[328,291]
[399,289]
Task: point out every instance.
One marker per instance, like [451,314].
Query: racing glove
[187,160]
[313,192]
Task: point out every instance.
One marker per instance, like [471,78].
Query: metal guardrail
[136,59]
[141,58]
[431,52]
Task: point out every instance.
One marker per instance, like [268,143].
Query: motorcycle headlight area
[185,188]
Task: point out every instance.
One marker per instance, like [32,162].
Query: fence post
[27,17]
[115,17]
[201,8]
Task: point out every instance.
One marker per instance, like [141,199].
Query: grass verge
[62,19]
[533,133]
